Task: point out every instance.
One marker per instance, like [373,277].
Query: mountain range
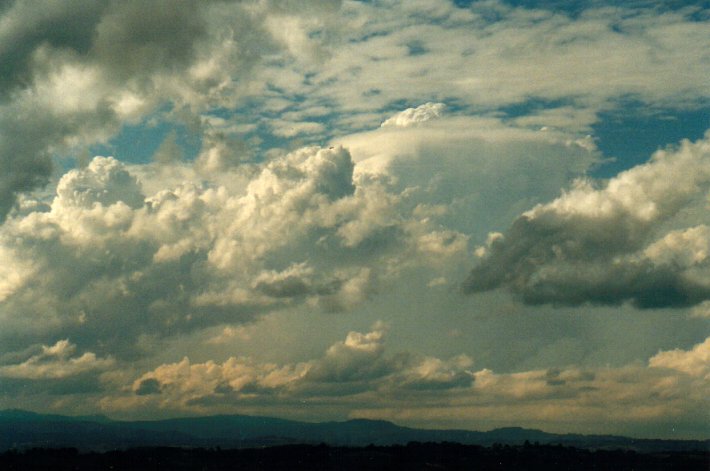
[23,429]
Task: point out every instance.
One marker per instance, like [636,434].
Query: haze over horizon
[445,214]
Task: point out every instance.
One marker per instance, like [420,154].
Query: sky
[467,214]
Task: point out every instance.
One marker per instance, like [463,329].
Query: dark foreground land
[414,456]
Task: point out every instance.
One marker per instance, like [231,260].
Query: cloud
[602,245]
[74,80]
[702,310]
[75,73]
[56,362]
[457,165]
[148,386]
[350,367]
[295,128]
[670,389]
[495,57]
[440,124]
[358,377]
[695,362]
[103,182]
[297,231]
[25,28]
[413,116]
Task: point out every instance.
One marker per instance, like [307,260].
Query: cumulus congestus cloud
[298,232]
[623,242]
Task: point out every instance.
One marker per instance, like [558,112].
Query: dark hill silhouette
[22,430]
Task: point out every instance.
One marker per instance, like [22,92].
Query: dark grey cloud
[136,38]
[566,264]
[606,246]
[32,33]
[68,26]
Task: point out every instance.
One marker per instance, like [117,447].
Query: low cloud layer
[360,375]
[349,368]
[669,390]
[613,244]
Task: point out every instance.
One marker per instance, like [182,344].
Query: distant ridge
[23,429]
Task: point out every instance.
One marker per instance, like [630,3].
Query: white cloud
[414,116]
[103,182]
[295,128]
[436,52]
[127,259]
[702,310]
[351,60]
[296,231]
[695,362]
[670,389]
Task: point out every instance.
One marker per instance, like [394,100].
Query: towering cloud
[297,232]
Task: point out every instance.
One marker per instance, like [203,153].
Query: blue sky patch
[629,136]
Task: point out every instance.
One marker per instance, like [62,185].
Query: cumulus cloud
[670,389]
[359,377]
[455,166]
[103,182]
[73,79]
[348,368]
[414,116]
[298,231]
[127,259]
[55,362]
[695,362]
[611,244]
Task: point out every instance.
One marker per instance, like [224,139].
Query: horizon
[88,418]
[439,213]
